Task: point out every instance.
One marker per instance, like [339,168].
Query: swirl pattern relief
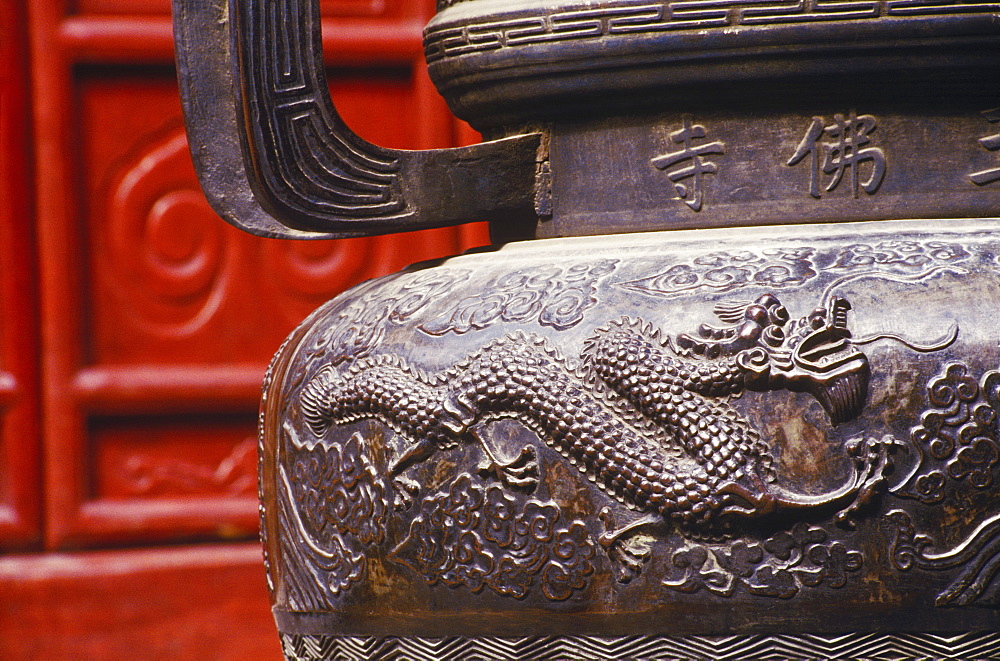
[957,436]
[341,507]
[977,558]
[552,296]
[168,254]
[778,567]
[959,446]
[362,324]
[476,537]
[785,268]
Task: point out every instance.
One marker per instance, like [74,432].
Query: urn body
[654,435]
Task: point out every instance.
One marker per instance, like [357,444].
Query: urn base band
[719,648]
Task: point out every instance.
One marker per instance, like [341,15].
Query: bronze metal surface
[700,432]
[498,62]
[276,159]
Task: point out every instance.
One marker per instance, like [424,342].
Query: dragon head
[813,354]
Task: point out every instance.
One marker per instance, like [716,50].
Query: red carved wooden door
[128,497]
[19,441]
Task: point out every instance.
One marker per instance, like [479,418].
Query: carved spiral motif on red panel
[316,270]
[168,251]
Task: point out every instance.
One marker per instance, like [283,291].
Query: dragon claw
[872,458]
[522,471]
[756,503]
[406,493]
[460,414]
[627,553]
[630,556]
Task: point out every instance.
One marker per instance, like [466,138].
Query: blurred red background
[136,327]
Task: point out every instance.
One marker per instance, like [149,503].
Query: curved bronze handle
[276,159]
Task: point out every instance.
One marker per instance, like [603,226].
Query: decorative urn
[728,383]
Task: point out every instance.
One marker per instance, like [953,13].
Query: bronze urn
[728,384]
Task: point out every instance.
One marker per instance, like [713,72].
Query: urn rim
[499,62]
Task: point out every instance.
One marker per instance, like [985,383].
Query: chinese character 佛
[992,143]
[689,162]
[839,147]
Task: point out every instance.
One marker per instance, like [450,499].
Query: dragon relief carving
[644,417]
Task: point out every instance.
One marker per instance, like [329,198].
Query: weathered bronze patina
[760,429]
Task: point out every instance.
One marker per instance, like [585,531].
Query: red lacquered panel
[182,456]
[338,8]
[187,603]
[20,490]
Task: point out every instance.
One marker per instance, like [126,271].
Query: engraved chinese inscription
[992,143]
[840,149]
[687,164]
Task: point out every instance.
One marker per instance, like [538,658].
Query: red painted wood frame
[157,318]
[20,492]
[186,603]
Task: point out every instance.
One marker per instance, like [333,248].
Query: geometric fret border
[873,646]
[472,36]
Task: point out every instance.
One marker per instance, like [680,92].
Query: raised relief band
[681,428]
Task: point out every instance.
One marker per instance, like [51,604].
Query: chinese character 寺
[841,146]
[992,143]
[691,164]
